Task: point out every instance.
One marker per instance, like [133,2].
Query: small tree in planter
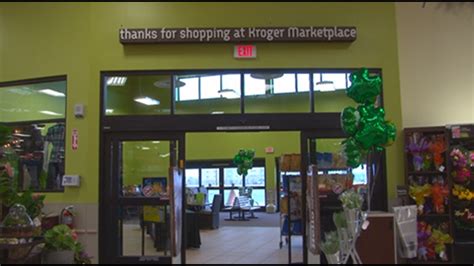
[63,248]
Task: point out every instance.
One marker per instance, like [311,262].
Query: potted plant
[62,247]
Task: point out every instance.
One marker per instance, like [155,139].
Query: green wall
[81,39]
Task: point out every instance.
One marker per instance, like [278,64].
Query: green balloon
[353,152]
[364,89]
[350,120]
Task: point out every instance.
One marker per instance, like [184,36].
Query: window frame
[41,121]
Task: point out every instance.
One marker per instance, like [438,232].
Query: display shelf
[434,215]
[426,173]
[426,144]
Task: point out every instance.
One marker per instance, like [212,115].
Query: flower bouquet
[461,173]
[418,146]
[437,147]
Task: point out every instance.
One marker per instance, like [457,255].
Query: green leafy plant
[330,245]
[351,199]
[60,238]
[33,203]
[339,220]
[5,134]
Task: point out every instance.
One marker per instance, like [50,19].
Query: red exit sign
[245,51]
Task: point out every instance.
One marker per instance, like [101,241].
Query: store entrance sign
[245,51]
[238,35]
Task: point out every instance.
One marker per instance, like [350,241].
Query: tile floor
[226,245]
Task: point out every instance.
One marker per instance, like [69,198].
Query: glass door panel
[144,198]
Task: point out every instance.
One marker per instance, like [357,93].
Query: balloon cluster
[244,161]
[365,125]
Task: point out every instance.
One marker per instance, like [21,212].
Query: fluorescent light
[155,142]
[217,113]
[228,93]
[165,155]
[50,113]
[53,93]
[109,111]
[147,101]
[324,86]
[145,148]
[116,81]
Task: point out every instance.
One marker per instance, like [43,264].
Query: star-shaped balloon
[364,89]
[366,125]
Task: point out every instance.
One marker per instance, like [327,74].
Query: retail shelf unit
[426,176]
[461,141]
[291,208]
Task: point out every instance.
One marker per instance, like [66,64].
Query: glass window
[330,94]
[231,83]
[210,177]
[303,82]
[33,102]
[254,86]
[232,178]
[227,199]
[360,175]
[285,84]
[189,90]
[138,95]
[264,94]
[210,194]
[37,155]
[145,164]
[338,79]
[258,195]
[214,98]
[210,87]
[192,177]
[255,177]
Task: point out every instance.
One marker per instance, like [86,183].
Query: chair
[209,219]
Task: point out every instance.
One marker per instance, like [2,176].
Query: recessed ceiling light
[53,93]
[217,113]
[155,142]
[50,113]
[145,148]
[109,111]
[116,81]
[147,101]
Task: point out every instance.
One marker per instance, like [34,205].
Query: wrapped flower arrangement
[418,146]
[461,163]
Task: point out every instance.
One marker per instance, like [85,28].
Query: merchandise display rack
[291,221]
[431,173]
[462,137]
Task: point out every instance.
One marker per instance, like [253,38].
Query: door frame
[322,123]
[109,166]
